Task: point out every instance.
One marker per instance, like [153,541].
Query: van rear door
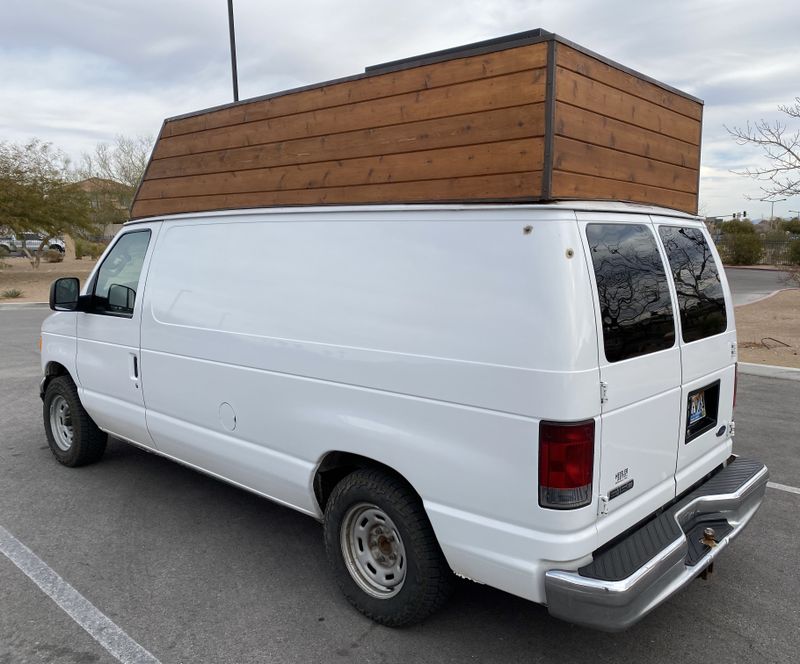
[639,358]
[707,339]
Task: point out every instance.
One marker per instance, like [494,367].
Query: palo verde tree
[38,193]
[780,146]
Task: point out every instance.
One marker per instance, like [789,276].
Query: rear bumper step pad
[630,578]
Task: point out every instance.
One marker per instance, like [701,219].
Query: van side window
[700,298]
[118,278]
[632,288]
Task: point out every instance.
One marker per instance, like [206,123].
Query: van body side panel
[59,343]
[420,343]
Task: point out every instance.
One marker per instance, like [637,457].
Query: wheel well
[53,370]
[335,466]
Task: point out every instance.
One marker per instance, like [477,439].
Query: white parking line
[76,606]
[783,487]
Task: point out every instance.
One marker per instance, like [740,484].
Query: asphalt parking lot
[195,570]
[752,284]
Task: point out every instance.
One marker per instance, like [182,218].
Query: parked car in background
[32,241]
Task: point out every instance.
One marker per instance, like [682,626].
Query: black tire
[427,581]
[88,443]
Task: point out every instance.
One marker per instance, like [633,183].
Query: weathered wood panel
[457,130]
[578,90]
[579,157]
[505,187]
[590,67]
[595,129]
[498,92]
[426,77]
[576,186]
[484,159]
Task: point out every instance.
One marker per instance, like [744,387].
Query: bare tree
[112,173]
[781,147]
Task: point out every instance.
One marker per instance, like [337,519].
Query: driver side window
[118,278]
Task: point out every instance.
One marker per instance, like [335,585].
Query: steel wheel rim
[373,550]
[61,423]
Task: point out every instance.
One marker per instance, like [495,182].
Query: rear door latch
[603,391]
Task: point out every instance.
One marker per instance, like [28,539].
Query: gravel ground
[769,330]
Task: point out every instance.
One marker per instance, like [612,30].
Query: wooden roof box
[528,117]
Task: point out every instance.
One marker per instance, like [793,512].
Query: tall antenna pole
[234,74]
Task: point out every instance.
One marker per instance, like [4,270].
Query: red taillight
[735,382]
[566,460]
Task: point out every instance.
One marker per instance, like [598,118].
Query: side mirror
[64,294]
[121,298]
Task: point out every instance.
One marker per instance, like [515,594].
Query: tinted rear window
[700,297]
[632,289]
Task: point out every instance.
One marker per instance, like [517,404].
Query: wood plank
[484,159]
[472,128]
[591,127]
[569,58]
[583,92]
[575,186]
[578,157]
[500,92]
[370,87]
[506,187]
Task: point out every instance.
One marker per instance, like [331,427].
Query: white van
[535,397]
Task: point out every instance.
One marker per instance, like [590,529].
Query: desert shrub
[736,227]
[97,248]
[794,252]
[90,249]
[744,249]
[792,226]
[54,256]
[11,294]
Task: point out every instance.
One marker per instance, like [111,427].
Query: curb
[23,305]
[763,268]
[765,297]
[769,371]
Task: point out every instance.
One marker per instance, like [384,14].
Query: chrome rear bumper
[617,604]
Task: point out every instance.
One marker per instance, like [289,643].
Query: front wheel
[382,549]
[74,438]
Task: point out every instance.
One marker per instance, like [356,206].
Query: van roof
[578,206]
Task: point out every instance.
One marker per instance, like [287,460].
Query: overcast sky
[77,72]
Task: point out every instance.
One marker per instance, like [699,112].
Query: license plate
[697,407]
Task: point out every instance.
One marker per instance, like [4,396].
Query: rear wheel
[74,438]
[382,549]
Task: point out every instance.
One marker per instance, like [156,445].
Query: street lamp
[772,210]
[797,212]
[234,74]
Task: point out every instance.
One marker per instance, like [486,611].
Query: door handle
[134,369]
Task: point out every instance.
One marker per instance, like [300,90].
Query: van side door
[707,339]
[108,362]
